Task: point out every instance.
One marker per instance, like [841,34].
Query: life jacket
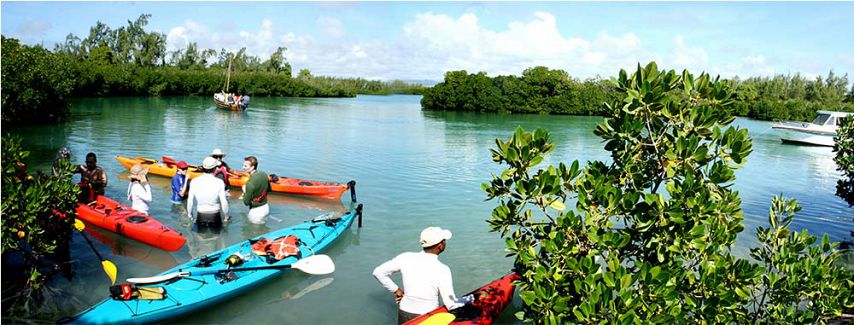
[222,173]
[129,292]
[278,249]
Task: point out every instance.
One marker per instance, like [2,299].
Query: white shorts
[258,215]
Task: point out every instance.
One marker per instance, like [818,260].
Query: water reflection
[140,252]
[206,240]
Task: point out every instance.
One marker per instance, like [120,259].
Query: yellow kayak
[288,185]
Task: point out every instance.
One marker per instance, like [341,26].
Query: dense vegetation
[129,61]
[844,149]
[538,90]
[544,91]
[34,208]
[651,234]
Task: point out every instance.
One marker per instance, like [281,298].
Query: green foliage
[36,83]
[791,97]
[799,284]
[651,234]
[34,210]
[543,91]
[844,149]
[538,90]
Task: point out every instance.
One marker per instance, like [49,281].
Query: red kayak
[490,303]
[121,219]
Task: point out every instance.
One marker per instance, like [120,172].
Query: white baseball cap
[433,235]
[209,163]
[217,152]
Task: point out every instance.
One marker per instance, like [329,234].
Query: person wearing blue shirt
[180,183]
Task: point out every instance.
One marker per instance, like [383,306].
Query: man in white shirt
[425,278]
[209,192]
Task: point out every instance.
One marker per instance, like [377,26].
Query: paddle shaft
[270,267]
[91,245]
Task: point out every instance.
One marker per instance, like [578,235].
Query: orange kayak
[287,185]
[491,301]
[121,219]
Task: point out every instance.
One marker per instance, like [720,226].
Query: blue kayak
[202,286]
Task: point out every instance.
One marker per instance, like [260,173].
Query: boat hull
[121,219]
[186,295]
[228,107]
[282,185]
[484,310]
[805,136]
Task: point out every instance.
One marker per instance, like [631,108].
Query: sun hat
[209,163]
[217,152]
[138,171]
[433,235]
[182,164]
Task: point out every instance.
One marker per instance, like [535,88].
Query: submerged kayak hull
[121,219]
[185,295]
[484,310]
[282,185]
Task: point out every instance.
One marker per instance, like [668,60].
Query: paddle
[108,266]
[439,319]
[171,161]
[315,264]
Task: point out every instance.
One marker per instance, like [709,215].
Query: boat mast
[228,74]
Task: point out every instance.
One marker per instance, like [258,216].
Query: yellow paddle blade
[111,270]
[79,225]
[439,319]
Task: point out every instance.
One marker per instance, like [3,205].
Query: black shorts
[209,220]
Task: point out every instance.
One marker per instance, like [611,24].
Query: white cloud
[754,60]
[35,27]
[430,44]
[331,26]
[688,57]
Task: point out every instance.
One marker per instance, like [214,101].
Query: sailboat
[228,101]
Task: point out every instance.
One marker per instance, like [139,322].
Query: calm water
[414,169]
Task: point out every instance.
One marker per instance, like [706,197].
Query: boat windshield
[821,119]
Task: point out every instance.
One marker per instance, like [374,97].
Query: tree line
[130,61]
[546,91]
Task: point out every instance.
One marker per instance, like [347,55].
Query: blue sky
[422,40]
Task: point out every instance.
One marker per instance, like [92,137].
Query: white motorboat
[819,132]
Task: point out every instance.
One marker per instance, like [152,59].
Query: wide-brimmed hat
[209,163]
[182,164]
[217,152]
[433,235]
[138,171]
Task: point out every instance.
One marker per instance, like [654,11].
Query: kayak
[287,185]
[207,281]
[482,310]
[121,219]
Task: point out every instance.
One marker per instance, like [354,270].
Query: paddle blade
[158,279]
[79,225]
[315,264]
[111,270]
[439,319]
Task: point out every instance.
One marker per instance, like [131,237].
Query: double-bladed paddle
[315,264]
[108,266]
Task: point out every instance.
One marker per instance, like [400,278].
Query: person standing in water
[255,191]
